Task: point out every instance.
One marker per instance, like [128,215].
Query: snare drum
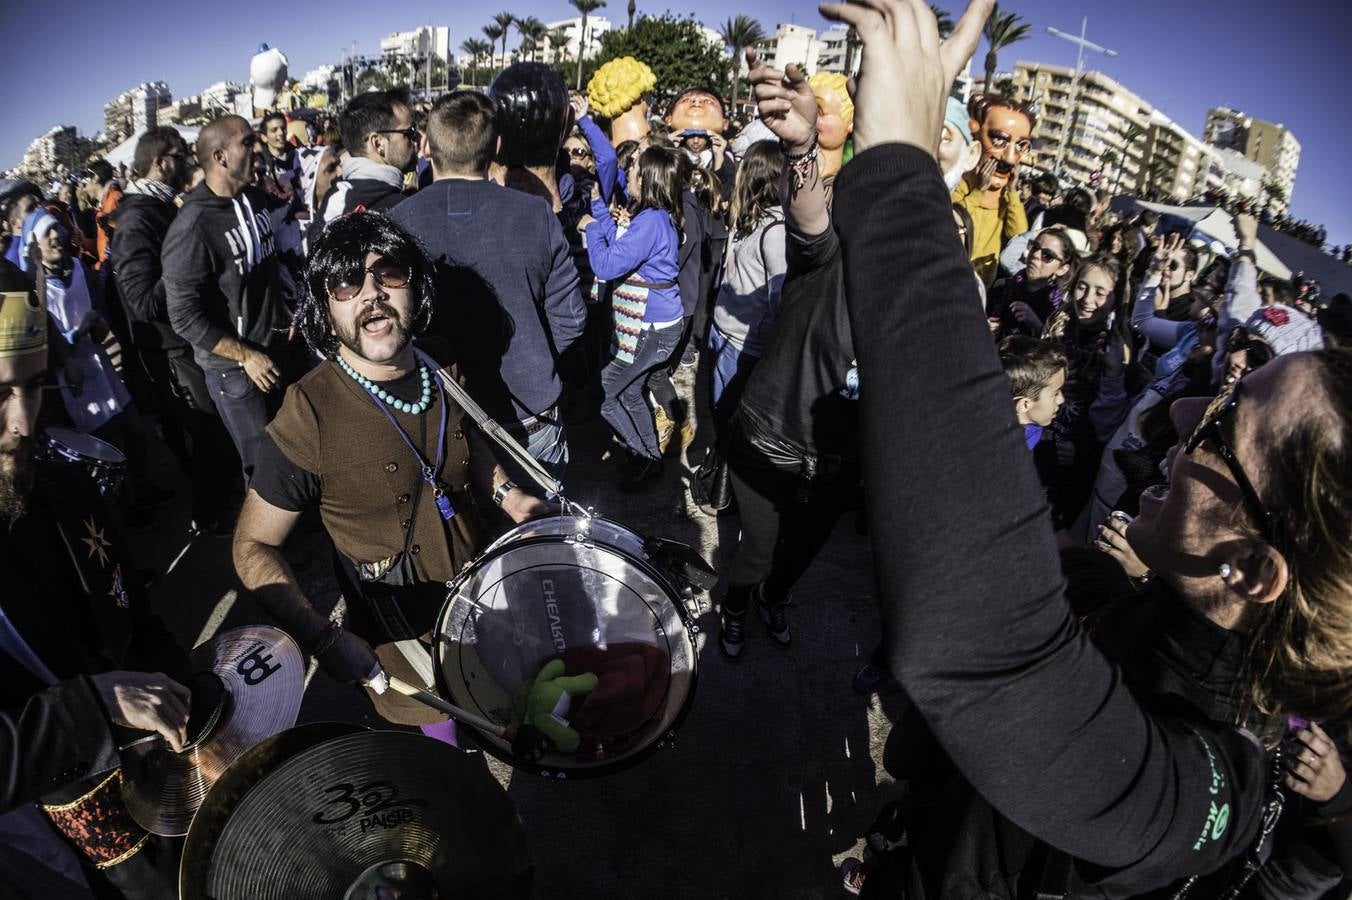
[106,464]
[584,590]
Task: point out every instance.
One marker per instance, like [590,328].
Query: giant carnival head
[619,91]
[1004,127]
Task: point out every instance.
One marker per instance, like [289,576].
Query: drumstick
[528,741]
[450,709]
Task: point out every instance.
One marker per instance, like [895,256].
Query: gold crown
[23,324]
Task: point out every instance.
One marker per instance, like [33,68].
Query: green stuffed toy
[541,702]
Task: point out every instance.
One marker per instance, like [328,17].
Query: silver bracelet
[503,490]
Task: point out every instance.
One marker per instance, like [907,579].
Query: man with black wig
[372,439]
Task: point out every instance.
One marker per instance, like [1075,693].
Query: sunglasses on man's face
[1211,429]
[385,273]
[411,133]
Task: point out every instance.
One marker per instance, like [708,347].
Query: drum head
[614,621]
[80,446]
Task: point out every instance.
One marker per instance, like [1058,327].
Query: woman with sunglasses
[373,441]
[1022,303]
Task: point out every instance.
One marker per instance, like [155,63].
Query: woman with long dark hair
[642,265]
[745,308]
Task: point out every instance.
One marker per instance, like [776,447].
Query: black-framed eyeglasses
[411,132]
[385,273]
[1211,428]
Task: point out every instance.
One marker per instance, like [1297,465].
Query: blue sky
[1285,63]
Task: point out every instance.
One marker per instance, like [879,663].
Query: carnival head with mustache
[23,365]
[1003,126]
[368,287]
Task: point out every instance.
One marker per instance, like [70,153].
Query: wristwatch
[503,490]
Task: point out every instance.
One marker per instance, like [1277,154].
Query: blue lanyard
[429,472]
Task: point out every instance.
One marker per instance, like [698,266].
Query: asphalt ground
[773,776]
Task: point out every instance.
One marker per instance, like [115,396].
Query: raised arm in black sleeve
[977,626]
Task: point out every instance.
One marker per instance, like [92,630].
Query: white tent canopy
[124,151]
[1213,223]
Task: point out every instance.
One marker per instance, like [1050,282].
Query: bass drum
[584,591]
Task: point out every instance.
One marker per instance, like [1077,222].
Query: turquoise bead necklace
[386,397]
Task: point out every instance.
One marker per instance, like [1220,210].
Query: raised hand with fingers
[906,71]
[786,104]
[1167,248]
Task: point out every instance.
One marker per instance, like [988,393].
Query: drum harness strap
[413,649]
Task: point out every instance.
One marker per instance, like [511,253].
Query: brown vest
[369,478]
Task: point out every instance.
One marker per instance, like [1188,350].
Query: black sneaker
[731,634]
[776,625]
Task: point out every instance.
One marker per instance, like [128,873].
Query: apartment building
[1269,144]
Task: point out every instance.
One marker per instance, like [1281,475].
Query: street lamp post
[1081,42]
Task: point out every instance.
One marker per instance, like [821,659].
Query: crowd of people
[1109,524]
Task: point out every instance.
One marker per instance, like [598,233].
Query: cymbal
[380,809]
[231,787]
[251,687]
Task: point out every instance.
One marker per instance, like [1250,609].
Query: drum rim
[59,443]
[608,768]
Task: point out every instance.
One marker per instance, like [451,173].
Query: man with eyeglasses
[222,284]
[382,146]
[192,429]
[989,192]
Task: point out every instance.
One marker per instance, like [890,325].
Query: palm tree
[505,21]
[739,33]
[1002,29]
[558,43]
[585,7]
[493,33]
[631,15]
[944,20]
[475,48]
[1109,159]
[532,32]
[1133,134]
[1157,171]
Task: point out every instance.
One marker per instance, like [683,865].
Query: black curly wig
[339,252]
